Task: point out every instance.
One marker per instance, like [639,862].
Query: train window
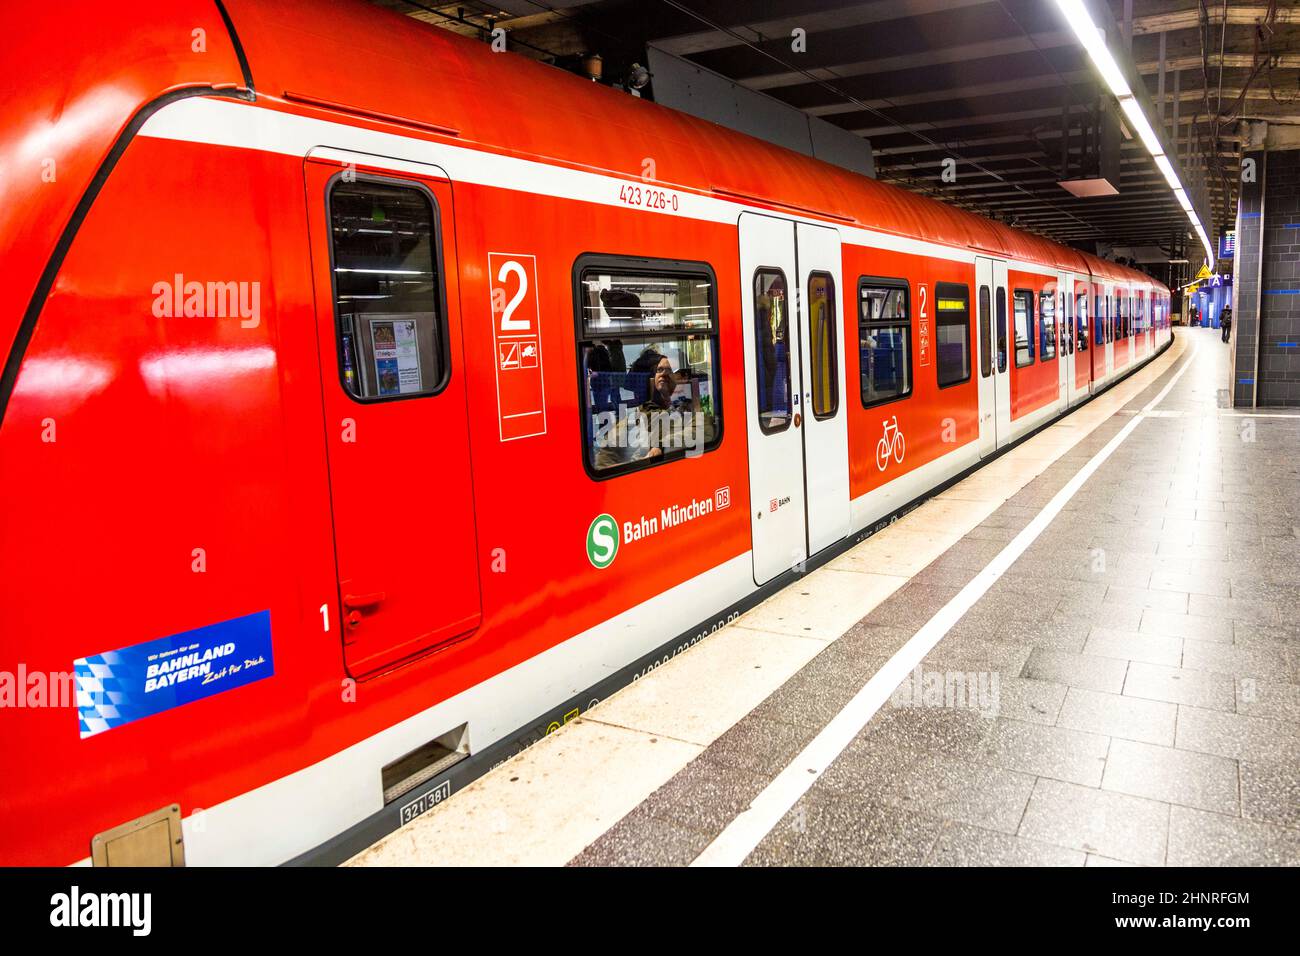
[1099,326]
[1002,329]
[1024,316]
[986,333]
[1047,325]
[388,297]
[648,362]
[772,334]
[822,352]
[884,340]
[952,357]
[1081,317]
[1065,324]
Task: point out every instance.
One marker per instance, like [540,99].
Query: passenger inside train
[651,389]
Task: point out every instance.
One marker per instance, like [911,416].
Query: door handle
[358,601]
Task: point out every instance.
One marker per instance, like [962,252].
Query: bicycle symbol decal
[891,444]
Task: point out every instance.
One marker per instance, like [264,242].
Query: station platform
[1085,653]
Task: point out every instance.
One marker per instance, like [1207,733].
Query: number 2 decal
[507,323]
[923,325]
[516,331]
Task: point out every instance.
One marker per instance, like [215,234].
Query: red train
[374,402]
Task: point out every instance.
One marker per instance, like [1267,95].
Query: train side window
[647,362]
[1002,329]
[1065,323]
[1024,319]
[1099,326]
[884,340]
[388,291]
[952,356]
[986,332]
[1047,325]
[1081,316]
[772,335]
[822,353]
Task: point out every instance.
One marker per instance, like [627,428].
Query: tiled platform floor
[1133,680]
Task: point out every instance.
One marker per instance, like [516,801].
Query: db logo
[722,498]
[773,506]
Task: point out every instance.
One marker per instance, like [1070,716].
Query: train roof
[83,88]
[351,54]
[78,74]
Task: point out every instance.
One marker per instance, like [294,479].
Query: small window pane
[648,354]
[986,332]
[1047,326]
[772,334]
[1024,318]
[387,291]
[1081,320]
[884,341]
[822,350]
[952,355]
[1002,329]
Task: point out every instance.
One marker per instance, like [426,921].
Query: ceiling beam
[1005,46]
[851,15]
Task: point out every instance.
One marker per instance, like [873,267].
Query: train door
[1098,359]
[794,356]
[1064,340]
[1111,300]
[1081,359]
[995,378]
[1148,322]
[1001,351]
[772,395]
[397,434]
[825,420]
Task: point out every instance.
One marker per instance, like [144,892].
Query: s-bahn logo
[602,541]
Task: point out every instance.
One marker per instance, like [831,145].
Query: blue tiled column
[1266,338]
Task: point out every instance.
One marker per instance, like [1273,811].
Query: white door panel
[1001,350]
[986,360]
[773,394]
[1064,362]
[825,415]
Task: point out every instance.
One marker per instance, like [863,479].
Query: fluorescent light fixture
[1167,170]
[1133,110]
[1093,40]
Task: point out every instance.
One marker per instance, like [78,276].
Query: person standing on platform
[1225,320]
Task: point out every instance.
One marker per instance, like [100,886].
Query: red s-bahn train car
[374,402]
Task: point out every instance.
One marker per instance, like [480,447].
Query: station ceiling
[999,85]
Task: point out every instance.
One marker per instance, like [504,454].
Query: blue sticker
[120,686]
